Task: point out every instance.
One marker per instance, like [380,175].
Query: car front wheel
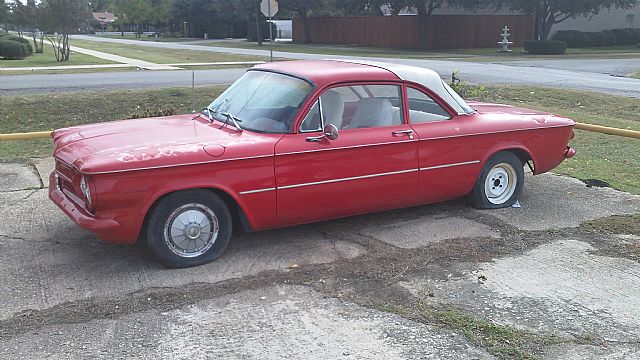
[500,182]
[189,228]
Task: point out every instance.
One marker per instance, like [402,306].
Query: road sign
[264,7]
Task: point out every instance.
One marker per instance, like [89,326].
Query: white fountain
[505,40]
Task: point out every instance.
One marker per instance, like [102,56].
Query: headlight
[84,187]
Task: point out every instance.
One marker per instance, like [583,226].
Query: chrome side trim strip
[256,191]
[174,165]
[345,147]
[492,132]
[450,165]
[358,177]
[346,179]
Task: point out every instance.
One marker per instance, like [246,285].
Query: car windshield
[262,101]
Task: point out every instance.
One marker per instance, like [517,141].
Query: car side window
[362,106]
[312,121]
[422,108]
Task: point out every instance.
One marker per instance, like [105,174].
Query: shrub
[626,36]
[13,50]
[568,36]
[608,38]
[577,39]
[24,41]
[545,47]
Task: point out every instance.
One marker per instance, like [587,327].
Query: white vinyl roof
[425,77]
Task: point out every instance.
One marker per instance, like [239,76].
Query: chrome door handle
[408,133]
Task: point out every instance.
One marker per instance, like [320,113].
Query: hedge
[11,37]
[545,47]
[13,50]
[578,39]
[627,36]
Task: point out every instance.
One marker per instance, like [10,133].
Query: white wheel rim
[191,230]
[500,183]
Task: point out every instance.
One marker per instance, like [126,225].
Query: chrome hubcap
[191,230]
[500,183]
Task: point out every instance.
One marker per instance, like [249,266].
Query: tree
[550,12]
[424,8]
[28,16]
[63,17]
[134,12]
[304,9]
[4,12]
[100,5]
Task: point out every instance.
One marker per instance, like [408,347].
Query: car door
[449,160]
[371,165]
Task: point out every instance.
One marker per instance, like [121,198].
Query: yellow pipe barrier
[26,136]
[579,126]
[608,130]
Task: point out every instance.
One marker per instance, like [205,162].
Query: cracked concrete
[560,288]
[65,263]
[273,323]
[419,232]
[301,292]
[44,168]
[18,177]
[551,201]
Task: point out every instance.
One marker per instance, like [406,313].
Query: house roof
[106,17]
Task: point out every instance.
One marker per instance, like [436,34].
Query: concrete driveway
[557,278]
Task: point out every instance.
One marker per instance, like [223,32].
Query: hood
[155,142]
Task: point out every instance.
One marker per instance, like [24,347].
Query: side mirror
[330,132]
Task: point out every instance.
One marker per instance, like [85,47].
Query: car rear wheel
[500,182]
[189,228]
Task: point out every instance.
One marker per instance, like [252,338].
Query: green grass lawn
[42,112]
[159,55]
[487,54]
[146,38]
[334,49]
[47,58]
[613,159]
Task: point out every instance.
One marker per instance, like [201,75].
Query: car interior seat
[332,108]
[372,112]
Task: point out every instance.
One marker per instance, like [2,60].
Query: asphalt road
[558,74]
[45,83]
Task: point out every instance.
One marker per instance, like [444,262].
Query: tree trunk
[423,16]
[258,27]
[545,28]
[66,47]
[536,27]
[37,46]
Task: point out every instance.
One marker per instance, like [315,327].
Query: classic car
[295,142]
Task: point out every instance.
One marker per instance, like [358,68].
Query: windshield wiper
[233,118]
[209,111]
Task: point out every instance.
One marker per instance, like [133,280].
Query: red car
[292,143]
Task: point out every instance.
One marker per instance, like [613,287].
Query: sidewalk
[121,59]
